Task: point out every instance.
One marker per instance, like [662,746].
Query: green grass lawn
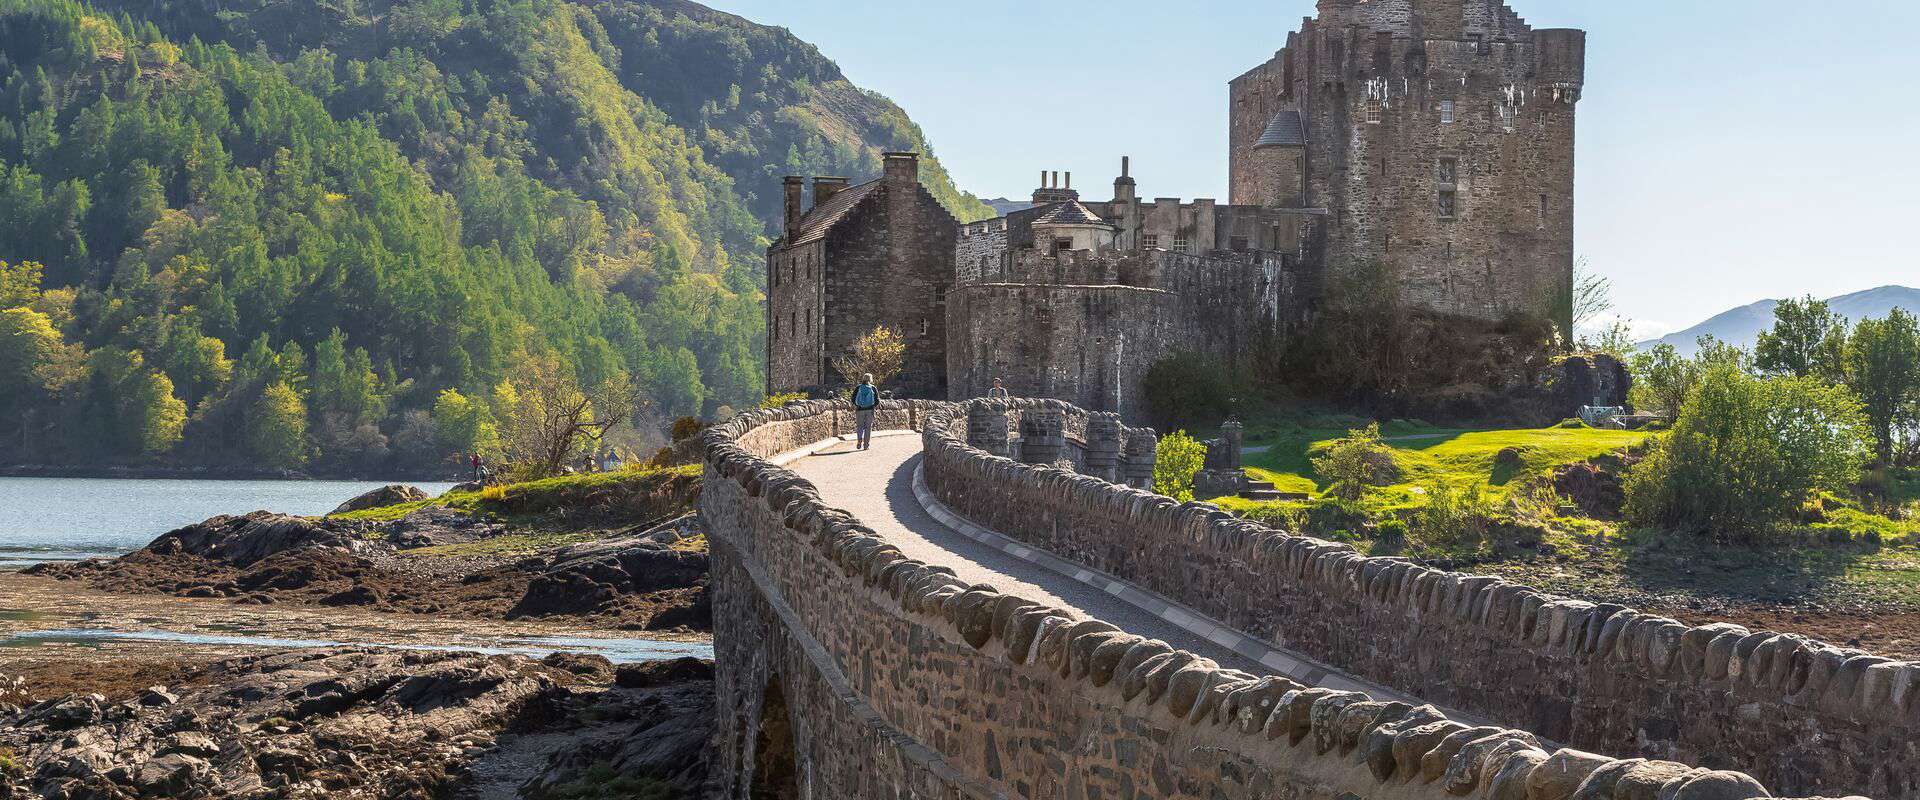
[1427,455]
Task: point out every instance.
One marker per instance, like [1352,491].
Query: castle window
[1062,245]
[1149,241]
[1446,204]
[939,295]
[1543,211]
[809,266]
[1376,112]
[1446,112]
[1449,171]
[809,321]
[1506,117]
[1180,244]
[773,274]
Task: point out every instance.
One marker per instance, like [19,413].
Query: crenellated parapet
[888,677]
[1801,714]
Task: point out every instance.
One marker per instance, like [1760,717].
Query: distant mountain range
[1743,325]
[1003,206]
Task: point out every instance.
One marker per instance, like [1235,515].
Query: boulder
[242,541]
[390,495]
[649,674]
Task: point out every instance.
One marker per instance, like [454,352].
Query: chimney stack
[1069,179]
[793,184]
[824,188]
[902,168]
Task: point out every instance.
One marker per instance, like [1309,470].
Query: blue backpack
[864,397]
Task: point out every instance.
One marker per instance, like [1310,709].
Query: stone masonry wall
[1371,81]
[796,316]
[891,263]
[1088,345]
[901,681]
[1800,714]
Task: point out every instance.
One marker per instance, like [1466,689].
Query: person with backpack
[865,400]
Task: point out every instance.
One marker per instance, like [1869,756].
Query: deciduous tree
[880,352]
[1807,340]
[1883,367]
[551,416]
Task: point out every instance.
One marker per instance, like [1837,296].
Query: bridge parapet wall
[1802,714]
[847,670]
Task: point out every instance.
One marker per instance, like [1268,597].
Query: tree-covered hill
[269,231]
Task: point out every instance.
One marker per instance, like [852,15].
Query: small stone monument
[1223,473]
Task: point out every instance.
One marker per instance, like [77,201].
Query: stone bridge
[936,618]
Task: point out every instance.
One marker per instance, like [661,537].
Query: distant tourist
[479,468]
[998,392]
[865,400]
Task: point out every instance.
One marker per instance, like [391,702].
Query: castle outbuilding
[879,253]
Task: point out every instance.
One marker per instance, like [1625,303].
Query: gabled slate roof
[823,216]
[1285,130]
[1068,213]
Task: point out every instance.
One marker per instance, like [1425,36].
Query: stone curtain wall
[1088,345]
[900,681]
[1803,715]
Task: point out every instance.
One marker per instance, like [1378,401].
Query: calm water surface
[61,519]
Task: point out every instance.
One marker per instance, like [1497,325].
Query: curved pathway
[878,486]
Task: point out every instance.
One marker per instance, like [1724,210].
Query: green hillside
[275,233]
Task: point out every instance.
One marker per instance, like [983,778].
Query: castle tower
[1439,135]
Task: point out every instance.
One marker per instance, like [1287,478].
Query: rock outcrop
[390,495]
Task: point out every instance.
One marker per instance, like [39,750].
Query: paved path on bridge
[877,487]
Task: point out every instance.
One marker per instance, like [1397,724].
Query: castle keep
[1433,137]
[1440,135]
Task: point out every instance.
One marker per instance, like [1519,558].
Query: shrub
[1186,391]
[1454,519]
[1746,453]
[1175,461]
[1392,531]
[780,400]
[688,426]
[1352,464]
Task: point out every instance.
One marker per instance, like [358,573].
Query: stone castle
[1434,137]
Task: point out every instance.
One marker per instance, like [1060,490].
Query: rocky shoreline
[432,560]
[154,674]
[347,722]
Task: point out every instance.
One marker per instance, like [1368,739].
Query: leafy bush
[1186,391]
[1454,519]
[1175,461]
[781,400]
[687,426]
[1352,464]
[1746,453]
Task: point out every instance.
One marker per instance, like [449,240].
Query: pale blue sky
[1730,150]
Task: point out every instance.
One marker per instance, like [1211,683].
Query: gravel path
[877,487]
